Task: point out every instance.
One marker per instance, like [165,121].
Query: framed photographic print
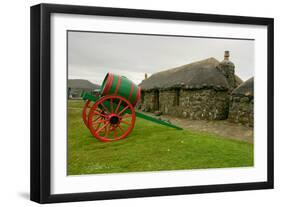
[133,103]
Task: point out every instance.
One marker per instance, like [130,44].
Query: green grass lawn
[150,147]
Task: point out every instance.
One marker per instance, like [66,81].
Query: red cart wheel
[111,118]
[85,112]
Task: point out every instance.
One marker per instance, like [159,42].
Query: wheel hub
[114,119]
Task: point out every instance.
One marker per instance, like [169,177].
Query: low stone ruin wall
[241,110]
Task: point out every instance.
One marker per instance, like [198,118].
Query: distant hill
[82,84]
[76,86]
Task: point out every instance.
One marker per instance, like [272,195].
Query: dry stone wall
[203,104]
[149,101]
[207,104]
[241,110]
[168,105]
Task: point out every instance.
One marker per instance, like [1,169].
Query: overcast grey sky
[92,55]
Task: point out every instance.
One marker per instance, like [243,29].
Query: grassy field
[150,147]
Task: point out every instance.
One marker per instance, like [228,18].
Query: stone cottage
[241,107]
[199,91]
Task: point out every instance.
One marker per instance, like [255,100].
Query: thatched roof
[245,89]
[197,75]
[238,80]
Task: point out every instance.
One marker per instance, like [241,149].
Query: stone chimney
[227,69]
[226,55]
[145,76]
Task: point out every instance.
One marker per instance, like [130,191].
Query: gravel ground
[220,127]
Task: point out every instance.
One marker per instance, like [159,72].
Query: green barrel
[121,86]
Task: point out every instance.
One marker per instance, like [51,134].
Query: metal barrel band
[117,86]
[108,83]
[131,91]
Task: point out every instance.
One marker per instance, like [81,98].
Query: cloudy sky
[92,55]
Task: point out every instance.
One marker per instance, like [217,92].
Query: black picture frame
[41,99]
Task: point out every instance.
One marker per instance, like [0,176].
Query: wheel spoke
[99,117]
[125,122]
[105,108]
[100,121]
[117,108]
[98,126]
[99,114]
[111,106]
[102,127]
[121,128]
[123,110]
[127,116]
[98,109]
[107,130]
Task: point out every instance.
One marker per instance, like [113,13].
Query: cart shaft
[87,96]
